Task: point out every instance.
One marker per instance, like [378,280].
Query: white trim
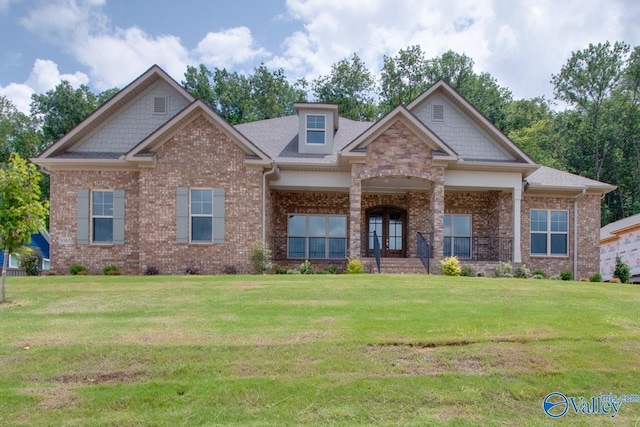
[15,263]
[549,233]
[307,129]
[326,236]
[192,215]
[92,217]
[453,235]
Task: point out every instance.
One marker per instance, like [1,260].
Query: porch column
[437,220]
[355,212]
[517,250]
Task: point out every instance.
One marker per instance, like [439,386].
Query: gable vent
[437,112]
[159,105]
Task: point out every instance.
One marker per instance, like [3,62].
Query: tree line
[596,133]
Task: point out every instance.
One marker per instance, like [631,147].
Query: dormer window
[316,129]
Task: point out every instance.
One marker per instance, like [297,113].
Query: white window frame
[14,262]
[192,215]
[549,233]
[326,235]
[453,235]
[307,129]
[92,217]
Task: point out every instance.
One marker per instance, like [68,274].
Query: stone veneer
[399,153]
[201,156]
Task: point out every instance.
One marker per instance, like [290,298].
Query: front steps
[396,265]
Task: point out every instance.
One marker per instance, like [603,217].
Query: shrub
[538,276]
[622,271]
[260,258]
[596,278]
[539,272]
[450,266]
[555,277]
[467,271]
[482,274]
[294,271]
[306,267]
[330,269]
[566,275]
[503,269]
[111,270]
[151,270]
[191,271]
[30,261]
[281,270]
[230,269]
[354,266]
[614,280]
[584,279]
[78,269]
[522,272]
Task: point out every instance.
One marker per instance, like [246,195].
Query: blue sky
[107,43]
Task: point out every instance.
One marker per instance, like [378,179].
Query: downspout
[273,170]
[575,234]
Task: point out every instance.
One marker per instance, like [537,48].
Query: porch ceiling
[393,185]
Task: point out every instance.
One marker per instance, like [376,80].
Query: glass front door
[389,227]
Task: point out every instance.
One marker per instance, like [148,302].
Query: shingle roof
[609,229]
[550,178]
[279,139]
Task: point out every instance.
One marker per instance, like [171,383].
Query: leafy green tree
[585,82]
[403,77]
[272,95]
[197,81]
[62,108]
[351,86]
[19,133]
[232,96]
[22,213]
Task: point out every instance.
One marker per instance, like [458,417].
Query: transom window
[315,129]
[102,216]
[317,236]
[457,236]
[201,216]
[549,232]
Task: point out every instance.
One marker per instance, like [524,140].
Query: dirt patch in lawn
[54,398]
[99,377]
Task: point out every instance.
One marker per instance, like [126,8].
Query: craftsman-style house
[156,178]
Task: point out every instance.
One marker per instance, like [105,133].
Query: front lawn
[342,349]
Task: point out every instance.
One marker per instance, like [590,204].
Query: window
[202,216]
[549,232]
[315,129]
[457,236]
[102,216]
[317,236]
[14,262]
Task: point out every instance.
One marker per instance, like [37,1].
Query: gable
[134,122]
[459,131]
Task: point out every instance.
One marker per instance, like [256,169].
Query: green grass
[337,350]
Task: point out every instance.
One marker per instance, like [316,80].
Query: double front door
[388,224]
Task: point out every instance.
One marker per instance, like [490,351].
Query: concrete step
[396,265]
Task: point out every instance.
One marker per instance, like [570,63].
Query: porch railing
[293,247]
[424,249]
[479,248]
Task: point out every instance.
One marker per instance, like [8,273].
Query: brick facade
[199,156]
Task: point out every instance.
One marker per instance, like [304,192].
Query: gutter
[274,169]
[575,234]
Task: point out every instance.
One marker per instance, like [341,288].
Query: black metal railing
[293,247]
[424,249]
[376,249]
[479,248]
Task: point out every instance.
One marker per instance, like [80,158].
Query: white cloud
[44,76]
[228,47]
